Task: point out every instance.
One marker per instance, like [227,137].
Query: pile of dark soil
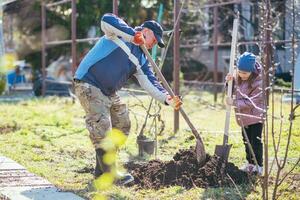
[184,171]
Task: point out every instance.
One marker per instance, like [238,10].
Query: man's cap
[157,30]
[247,62]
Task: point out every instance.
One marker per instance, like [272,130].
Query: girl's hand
[228,101]
[229,77]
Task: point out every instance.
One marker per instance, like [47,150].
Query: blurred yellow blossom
[99,197]
[109,158]
[111,143]
[114,139]
[105,181]
[7,62]
[117,137]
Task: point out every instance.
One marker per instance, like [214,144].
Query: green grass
[49,138]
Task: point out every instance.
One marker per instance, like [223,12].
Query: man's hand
[138,38]
[175,102]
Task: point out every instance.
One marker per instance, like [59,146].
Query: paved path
[16,183]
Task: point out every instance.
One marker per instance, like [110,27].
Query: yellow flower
[114,139]
[117,137]
[7,62]
[105,181]
[109,158]
[99,197]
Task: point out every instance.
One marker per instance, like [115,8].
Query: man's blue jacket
[107,67]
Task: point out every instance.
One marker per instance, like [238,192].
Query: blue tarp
[13,78]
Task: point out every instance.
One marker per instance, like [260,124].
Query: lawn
[49,138]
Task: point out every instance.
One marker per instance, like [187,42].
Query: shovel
[200,151]
[223,150]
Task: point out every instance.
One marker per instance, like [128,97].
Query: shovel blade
[200,152]
[223,151]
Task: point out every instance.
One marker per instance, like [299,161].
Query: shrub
[2,83]
[281,83]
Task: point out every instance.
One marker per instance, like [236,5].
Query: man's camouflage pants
[102,112]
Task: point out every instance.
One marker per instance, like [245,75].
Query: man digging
[104,71]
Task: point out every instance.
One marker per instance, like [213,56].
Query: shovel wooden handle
[170,91]
[230,84]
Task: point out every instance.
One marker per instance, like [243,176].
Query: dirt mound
[184,171]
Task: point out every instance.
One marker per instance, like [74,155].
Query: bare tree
[281,164]
[281,171]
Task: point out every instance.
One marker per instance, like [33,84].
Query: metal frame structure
[176,62]
[266,40]
[10,40]
[73,40]
[115,7]
[176,58]
[176,44]
[46,43]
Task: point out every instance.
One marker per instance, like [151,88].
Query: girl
[249,108]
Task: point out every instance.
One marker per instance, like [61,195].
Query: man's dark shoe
[124,179]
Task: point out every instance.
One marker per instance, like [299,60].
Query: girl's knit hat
[247,62]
